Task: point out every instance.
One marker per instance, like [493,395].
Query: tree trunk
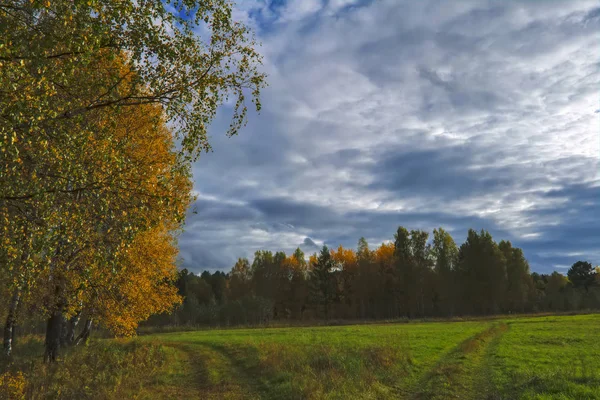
[71,326]
[11,320]
[54,330]
[64,332]
[85,333]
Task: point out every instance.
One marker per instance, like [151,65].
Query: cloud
[422,114]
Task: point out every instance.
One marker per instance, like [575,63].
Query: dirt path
[463,373]
[198,371]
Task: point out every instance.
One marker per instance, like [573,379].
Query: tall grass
[105,369]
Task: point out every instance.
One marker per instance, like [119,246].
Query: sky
[462,114]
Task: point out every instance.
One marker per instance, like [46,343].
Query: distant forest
[410,277]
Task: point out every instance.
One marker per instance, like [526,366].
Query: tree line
[103,105]
[409,277]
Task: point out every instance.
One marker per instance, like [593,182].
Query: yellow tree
[146,185]
[124,177]
[344,258]
[143,285]
[67,70]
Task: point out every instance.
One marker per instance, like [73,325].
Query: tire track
[484,382]
[460,373]
[213,374]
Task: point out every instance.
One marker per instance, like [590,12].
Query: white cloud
[512,84]
[297,10]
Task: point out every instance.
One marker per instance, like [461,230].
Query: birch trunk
[11,320]
[85,333]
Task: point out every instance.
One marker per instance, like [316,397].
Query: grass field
[532,358]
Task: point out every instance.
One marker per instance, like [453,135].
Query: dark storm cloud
[438,172]
[295,213]
[217,211]
[573,229]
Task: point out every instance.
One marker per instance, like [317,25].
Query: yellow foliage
[384,255]
[293,264]
[345,258]
[116,242]
[312,260]
[12,386]
[143,286]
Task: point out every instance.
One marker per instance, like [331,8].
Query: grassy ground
[549,357]
[106,369]
[529,358]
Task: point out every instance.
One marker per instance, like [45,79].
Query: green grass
[530,358]
[549,357]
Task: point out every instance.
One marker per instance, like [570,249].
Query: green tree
[240,280]
[555,297]
[445,255]
[264,273]
[218,284]
[406,288]
[282,276]
[413,266]
[582,274]
[298,283]
[519,282]
[482,271]
[423,271]
[366,280]
[322,286]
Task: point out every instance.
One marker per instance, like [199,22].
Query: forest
[409,277]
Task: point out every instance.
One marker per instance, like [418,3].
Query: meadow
[543,357]
[550,357]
